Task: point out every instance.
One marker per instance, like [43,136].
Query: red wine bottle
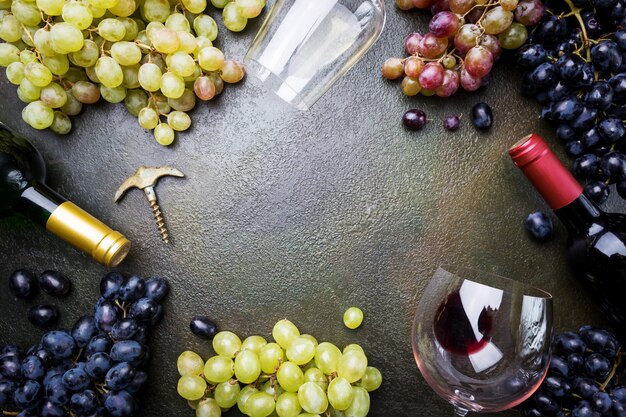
[596,246]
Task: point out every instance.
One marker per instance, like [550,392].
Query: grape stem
[612,374]
[9,413]
[576,11]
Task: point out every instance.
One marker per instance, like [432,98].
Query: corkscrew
[146,178]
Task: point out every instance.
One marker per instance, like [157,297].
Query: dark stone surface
[301,215]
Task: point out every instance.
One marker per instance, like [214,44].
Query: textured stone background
[301,215]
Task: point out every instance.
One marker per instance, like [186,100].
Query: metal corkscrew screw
[146,178]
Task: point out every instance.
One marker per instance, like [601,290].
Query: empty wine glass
[481,341]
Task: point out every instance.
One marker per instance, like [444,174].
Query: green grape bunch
[156,56]
[294,376]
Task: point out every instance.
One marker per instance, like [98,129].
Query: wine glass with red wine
[481,341]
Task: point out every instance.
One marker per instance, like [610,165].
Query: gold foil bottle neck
[85,232]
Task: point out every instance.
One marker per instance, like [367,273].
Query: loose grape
[135,101]
[250,8]
[290,376]
[218,368]
[15,72]
[372,380]
[340,394]
[300,351]
[164,135]
[233,20]
[61,124]
[352,365]
[393,68]
[287,405]
[53,95]
[149,119]
[260,404]
[188,363]
[327,357]
[271,356]
[87,56]
[208,408]
[353,317]
[172,85]
[247,364]
[86,92]
[109,72]
[253,343]
[191,387]
[77,14]
[245,393]
[10,28]
[316,376]
[149,76]
[126,53]
[66,38]
[226,394]
[205,26]
[284,332]
[38,115]
[227,344]
[360,406]
[312,398]
[195,6]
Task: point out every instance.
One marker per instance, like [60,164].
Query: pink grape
[413,66]
[444,24]
[466,37]
[432,46]
[450,84]
[410,86]
[423,4]
[431,76]
[412,43]
[404,4]
[461,6]
[475,15]
[393,68]
[204,88]
[439,6]
[529,12]
[478,61]
[469,82]
[492,44]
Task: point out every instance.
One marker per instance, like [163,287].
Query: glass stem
[460,412]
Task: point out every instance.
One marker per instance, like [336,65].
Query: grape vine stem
[576,11]
[612,374]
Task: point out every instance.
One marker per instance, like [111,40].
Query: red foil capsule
[544,170]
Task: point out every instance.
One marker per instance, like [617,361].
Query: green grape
[28,32]
[220,3]
[163,106]
[131,28]
[372,380]
[195,6]
[58,64]
[260,404]
[26,13]
[173,86]
[287,405]
[208,408]
[38,74]
[316,376]
[87,56]
[270,355]
[181,64]
[155,10]
[149,76]
[250,8]
[247,365]
[131,76]
[340,393]
[164,134]
[194,404]
[113,95]
[353,346]
[201,43]
[308,415]
[27,56]
[61,124]
[51,7]
[43,42]
[233,20]
[38,115]
[514,36]
[232,72]
[86,92]
[10,28]
[103,4]
[272,388]
[53,95]
[197,73]
[77,14]
[327,357]
[15,72]
[191,387]
[226,394]
[177,22]
[312,398]
[187,42]
[75,74]
[72,106]
[253,343]
[337,413]
[496,20]
[188,363]
[164,40]
[204,25]
[124,8]
[8,54]
[311,338]
[111,29]
[152,27]
[218,368]
[290,376]
[91,74]
[284,332]
[360,404]
[245,393]
[185,102]
[135,101]
[24,98]
[211,59]
[109,72]
[226,343]
[142,39]
[126,53]
[301,350]
[28,90]
[352,365]
[96,12]
[205,90]
[66,38]
[353,317]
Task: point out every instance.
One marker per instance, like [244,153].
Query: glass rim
[474,275]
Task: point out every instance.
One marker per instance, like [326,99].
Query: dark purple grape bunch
[583,379]
[99,368]
[577,72]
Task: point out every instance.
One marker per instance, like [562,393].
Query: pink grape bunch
[464,39]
